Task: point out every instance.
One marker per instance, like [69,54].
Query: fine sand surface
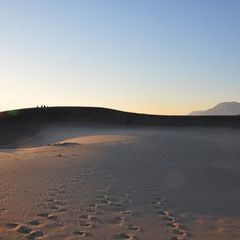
[99,183]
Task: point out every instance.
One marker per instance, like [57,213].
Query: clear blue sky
[165,57]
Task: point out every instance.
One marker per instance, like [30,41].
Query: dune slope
[124,184]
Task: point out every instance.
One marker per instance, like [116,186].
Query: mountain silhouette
[225,108]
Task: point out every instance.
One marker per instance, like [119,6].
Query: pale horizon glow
[159,57]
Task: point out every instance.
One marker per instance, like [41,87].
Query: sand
[99,183]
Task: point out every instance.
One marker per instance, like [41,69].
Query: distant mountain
[225,108]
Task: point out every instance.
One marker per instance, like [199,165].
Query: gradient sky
[164,57]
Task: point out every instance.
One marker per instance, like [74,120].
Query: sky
[151,56]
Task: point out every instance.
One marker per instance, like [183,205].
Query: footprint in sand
[180,233]
[118,220]
[3,197]
[53,224]
[53,207]
[55,204]
[34,222]
[176,238]
[52,217]
[2,210]
[47,216]
[169,219]
[90,210]
[174,225]
[156,204]
[176,228]
[102,195]
[133,227]
[171,222]
[82,234]
[51,200]
[24,229]
[86,224]
[62,191]
[125,236]
[59,202]
[34,235]
[93,205]
[127,213]
[105,202]
[164,213]
[116,204]
[11,225]
[52,194]
[62,209]
[124,195]
[86,216]
[43,214]
[88,219]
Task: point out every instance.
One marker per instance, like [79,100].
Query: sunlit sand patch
[218,227]
[96,139]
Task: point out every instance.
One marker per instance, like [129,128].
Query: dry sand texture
[137,184]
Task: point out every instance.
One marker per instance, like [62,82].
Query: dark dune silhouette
[19,124]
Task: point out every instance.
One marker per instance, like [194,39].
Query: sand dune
[98,183]
[60,134]
[19,127]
